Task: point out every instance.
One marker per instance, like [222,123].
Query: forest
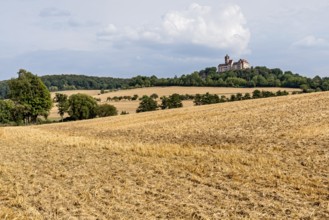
[254,77]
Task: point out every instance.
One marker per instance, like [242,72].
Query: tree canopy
[73,82]
[106,110]
[173,101]
[147,104]
[31,94]
[82,106]
[6,111]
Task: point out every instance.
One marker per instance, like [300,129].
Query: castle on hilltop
[230,65]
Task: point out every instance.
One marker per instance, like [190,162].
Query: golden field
[255,159]
[131,106]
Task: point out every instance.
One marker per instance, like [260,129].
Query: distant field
[131,106]
[254,159]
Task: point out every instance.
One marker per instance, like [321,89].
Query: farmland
[131,106]
[255,159]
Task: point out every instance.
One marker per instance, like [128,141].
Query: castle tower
[227,59]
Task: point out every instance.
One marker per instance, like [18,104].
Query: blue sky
[166,38]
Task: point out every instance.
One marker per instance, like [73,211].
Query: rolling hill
[255,159]
[131,106]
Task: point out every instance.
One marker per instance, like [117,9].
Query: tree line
[149,103]
[76,82]
[253,77]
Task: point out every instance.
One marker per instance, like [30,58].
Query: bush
[256,94]
[233,98]
[82,106]
[239,96]
[247,96]
[106,110]
[173,101]
[266,94]
[135,97]
[206,99]
[154,96]
[147,104]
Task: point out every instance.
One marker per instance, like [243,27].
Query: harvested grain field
[255,159]
[166,91]
[131,106]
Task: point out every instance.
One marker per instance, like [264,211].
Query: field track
[255,159]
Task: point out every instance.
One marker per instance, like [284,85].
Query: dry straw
[256,159]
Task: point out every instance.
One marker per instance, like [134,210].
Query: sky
[125,38]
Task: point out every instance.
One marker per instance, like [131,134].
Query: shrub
[233,98]
[154,96]
[256,94]
[247,96]
[135,97]
[147,104]
[266,94]
[106,110]
[206,99]
[82,106]
[173,101]
[239,96]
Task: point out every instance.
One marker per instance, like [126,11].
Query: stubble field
[255,159]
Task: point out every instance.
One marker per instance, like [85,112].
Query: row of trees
[149,103]
[119,98]
[72,82]
[206,99]
[253,77]
[175,100]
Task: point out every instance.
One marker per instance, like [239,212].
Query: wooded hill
[254,77]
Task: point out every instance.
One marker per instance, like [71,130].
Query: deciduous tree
[29,91]
[82,106]
[62,103]
[147,104]
[106,110]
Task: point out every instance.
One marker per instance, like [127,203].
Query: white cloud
[311,42]
[223,28]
